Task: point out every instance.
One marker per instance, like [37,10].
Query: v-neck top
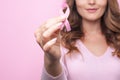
[84,65]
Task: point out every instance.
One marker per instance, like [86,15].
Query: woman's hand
[47,36]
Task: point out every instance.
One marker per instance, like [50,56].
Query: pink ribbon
[67,12]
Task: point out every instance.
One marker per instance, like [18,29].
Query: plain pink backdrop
[20,56]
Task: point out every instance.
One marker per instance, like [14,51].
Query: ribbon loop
[67,12]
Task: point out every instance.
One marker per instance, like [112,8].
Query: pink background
[20,56]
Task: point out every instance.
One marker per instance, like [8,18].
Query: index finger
[55,20]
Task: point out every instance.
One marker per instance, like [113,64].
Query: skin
[91,25]
[49,30]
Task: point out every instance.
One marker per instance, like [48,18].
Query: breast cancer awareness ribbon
[67,12]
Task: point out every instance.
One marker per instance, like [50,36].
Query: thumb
[58,40]
[47,46]
[55,41]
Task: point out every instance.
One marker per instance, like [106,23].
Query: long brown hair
[110,26]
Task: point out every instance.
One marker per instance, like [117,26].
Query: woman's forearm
[54,68]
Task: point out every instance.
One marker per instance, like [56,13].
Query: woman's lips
[92,10]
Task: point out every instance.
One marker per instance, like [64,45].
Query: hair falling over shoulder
[110,23]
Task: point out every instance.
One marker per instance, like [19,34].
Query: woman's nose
[91,2]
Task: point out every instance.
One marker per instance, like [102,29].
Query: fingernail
[63,16]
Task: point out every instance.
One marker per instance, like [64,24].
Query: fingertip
[48,45]
[62,16]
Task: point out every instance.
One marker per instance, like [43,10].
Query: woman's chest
[108,69]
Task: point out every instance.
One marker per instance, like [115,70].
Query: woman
[91,50]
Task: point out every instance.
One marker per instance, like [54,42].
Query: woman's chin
[92,19]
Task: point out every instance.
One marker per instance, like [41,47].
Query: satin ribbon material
[67,12]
